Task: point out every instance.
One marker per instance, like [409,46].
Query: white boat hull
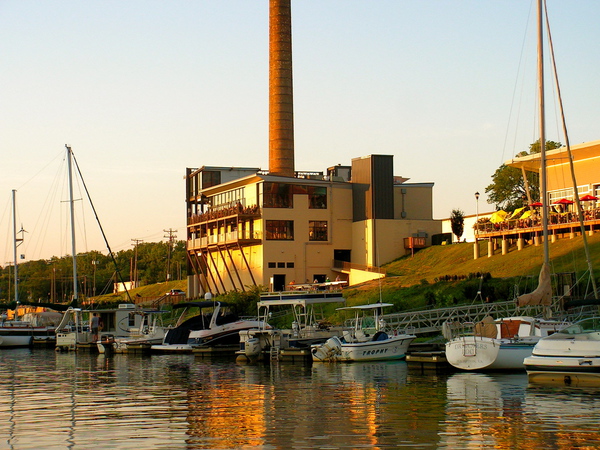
[392,348]
[481,353]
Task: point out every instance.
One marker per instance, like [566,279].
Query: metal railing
[430,321]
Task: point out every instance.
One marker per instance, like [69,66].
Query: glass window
[317,197]
[280,230]
[277,195]
[317,230]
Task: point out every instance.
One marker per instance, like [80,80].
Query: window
[317,197]
[317,230]
[272,265]
[277,195]
[280,230]
[290,265]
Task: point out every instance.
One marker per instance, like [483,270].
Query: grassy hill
[414,282]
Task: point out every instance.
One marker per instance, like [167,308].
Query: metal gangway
[432,320]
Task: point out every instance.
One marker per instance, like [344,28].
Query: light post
[476,215]
[94,264]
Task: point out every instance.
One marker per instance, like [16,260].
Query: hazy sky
[143,89]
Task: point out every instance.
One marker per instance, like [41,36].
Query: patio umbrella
[536,204]
[563,201]
[588,198]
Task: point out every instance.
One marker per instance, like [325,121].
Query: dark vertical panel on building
[382,186]
[373,187]
[361,183]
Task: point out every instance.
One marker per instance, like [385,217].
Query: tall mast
[543,187]
[72,211]
[16,271]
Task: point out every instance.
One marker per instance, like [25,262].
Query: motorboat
[571,356]
[359,344]
[215,325]
[308,326]
[499,344]
[150,331]
[27,329]
[75,331]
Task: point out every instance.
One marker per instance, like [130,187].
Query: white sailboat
[505,343]
[356,345]
[35,327]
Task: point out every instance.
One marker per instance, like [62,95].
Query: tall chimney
[281,101]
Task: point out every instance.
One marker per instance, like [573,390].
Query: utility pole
[134,278]
[171,235]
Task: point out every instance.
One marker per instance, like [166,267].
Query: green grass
[412,282]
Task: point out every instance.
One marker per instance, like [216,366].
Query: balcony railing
[555,220]
[231,237]
[223,213]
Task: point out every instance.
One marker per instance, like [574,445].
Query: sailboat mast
[542,112]
[16,271]
[72,211]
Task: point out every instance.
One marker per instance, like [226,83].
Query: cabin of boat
[215,325]
[308,326]
[74,331]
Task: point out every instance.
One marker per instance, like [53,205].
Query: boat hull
[392,348]
[481,353]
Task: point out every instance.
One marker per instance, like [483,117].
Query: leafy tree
[507,190]
[457,222]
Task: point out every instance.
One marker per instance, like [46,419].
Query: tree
[457,221]
[508,188]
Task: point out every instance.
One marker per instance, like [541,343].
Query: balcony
[558,223]
[233,238]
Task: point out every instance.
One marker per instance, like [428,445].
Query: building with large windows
[247,227]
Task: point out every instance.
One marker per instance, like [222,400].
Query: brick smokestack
[281,100]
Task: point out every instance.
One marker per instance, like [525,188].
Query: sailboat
[505,343]
[75,327]
[32,327]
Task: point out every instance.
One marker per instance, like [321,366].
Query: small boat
[140,339]
[356,345]
[23,333]
[571,356]
[266,343]
[500,344]
[75,329]
[214,326]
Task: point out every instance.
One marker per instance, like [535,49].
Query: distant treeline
[52,280]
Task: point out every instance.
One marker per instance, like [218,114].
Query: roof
[556,157]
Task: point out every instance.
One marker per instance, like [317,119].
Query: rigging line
[39,171]
[564,124]
[43,219]
[112,256]
[8,224]
[520,65]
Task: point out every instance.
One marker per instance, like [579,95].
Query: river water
[54,400]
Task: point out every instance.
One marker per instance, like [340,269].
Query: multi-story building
[247,227]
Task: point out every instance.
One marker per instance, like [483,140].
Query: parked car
[175,292]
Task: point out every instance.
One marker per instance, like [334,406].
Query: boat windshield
[590,325]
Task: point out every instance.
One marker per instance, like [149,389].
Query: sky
[141,90]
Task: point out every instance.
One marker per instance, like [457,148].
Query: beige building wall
[415,200]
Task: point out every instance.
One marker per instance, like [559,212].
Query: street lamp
[476,215]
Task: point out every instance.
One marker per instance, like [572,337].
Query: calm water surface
[54,400]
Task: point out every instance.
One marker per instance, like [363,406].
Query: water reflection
[79,401]
[502,411]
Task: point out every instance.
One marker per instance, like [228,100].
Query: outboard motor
[252,347]
[328,350]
